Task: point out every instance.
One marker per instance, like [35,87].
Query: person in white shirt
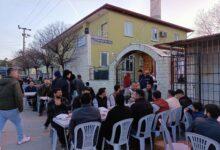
[111,99]
[172,101]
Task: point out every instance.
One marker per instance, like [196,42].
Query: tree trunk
[62,65]
[47,69]
[52,72]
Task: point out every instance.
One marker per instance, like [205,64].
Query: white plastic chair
[54,138]
[164,116]
[90,132]
[187,120]
[200,142]
[125,126]
[140,135]
[174,121]
[168,141]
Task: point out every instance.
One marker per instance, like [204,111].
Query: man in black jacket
[183,99]
[11,104]
[116,114]
[140,108]
[56,107]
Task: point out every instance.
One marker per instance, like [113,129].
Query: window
[127,64]
[154,34]
[128,29]
[104,59]
[104,32]
[176,37]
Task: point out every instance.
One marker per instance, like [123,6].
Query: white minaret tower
[155,9]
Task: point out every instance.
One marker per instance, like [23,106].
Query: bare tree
[35,59]
[208,22]
[63,46]
[22,61]
[46,56]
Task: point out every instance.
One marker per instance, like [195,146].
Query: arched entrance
[160,67]
[132,62]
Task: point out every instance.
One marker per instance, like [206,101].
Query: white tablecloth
[44,98]
[64,123]
[30,93]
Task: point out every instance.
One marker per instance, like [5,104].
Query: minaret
[155,9]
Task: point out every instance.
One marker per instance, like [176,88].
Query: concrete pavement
[33,126]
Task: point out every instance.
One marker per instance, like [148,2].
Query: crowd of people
[69,95]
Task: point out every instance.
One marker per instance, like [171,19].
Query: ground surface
[33,126]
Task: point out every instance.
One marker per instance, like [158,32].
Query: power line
[39,12]
[32,11]
[39,21]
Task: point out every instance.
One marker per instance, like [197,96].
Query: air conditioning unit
[163,34]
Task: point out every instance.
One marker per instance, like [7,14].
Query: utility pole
[24,35]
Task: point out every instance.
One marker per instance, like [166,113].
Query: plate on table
[44,98]
[62,116]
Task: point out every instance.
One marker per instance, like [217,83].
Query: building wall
[80,62]
[141,34]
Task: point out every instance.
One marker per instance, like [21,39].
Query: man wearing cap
[11,104]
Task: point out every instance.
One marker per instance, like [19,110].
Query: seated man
[117,89]
[56,107]
[140,108]
[116,114]
[77,100]
[148,92]
[172,101]
[101,99]
[44,90]
[184,100]
[163,105]
[86,113]
[196,111]
[209,126]
[32,100]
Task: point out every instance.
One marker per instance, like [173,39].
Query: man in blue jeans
[11,104]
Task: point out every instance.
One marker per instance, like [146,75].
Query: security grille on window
[128,29]
[104,59]
[104,32]
[154,35]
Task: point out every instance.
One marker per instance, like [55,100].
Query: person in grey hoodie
[11,104]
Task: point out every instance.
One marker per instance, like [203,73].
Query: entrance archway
[161,66]
[131,63]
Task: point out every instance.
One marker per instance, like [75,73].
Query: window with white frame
[104,59]
[176,37]
[154,34]
[128,29]
[104,32]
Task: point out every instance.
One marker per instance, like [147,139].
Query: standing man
[78,84]
[11,104]
[142,80]
[44,91]
[149,79]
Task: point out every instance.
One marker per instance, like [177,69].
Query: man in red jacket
[161,103]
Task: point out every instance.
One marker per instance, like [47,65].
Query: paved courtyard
[33,126]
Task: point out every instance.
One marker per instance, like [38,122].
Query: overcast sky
[36,14]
